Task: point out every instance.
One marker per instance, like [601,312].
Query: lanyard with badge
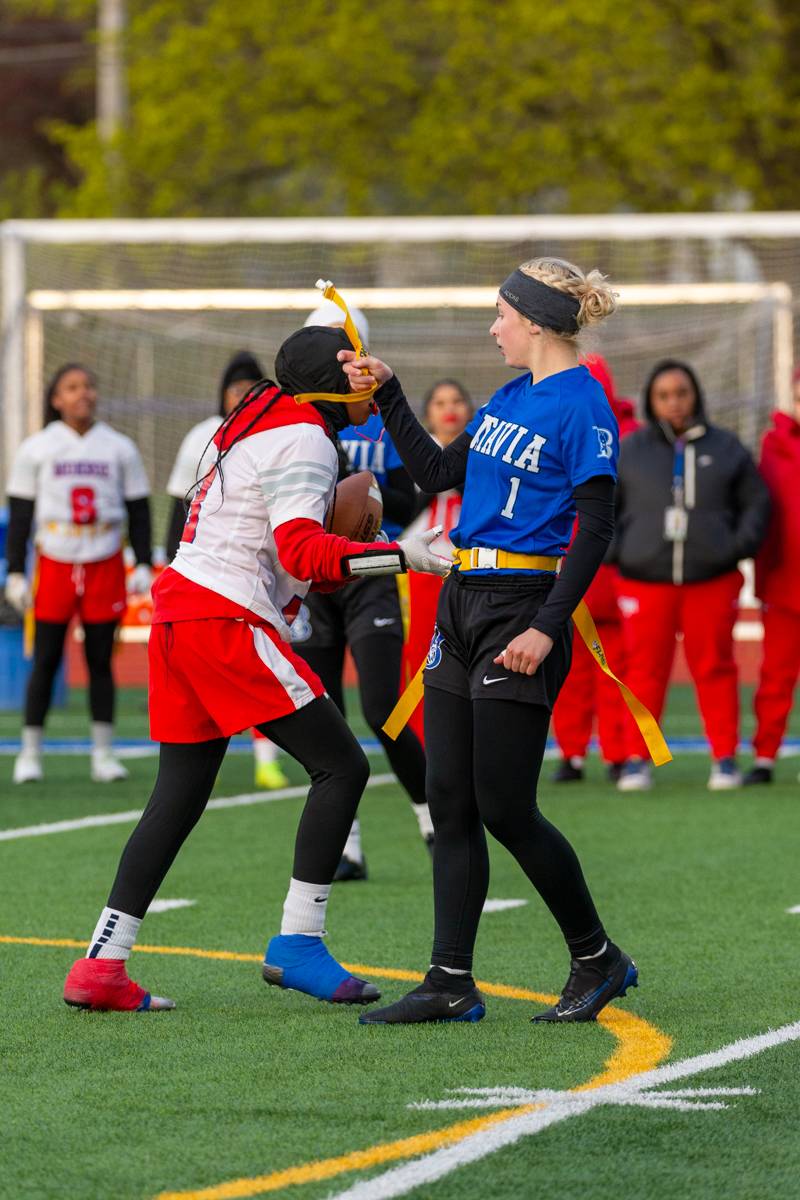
[676,518]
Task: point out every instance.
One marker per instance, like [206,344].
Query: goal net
[156,308]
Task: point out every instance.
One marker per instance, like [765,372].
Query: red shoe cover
[103,985]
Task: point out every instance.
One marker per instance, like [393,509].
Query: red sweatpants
[779,673]
[705,613]
[588,693]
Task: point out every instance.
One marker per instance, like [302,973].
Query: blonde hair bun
[598,299]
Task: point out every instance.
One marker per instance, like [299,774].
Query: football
[357,508]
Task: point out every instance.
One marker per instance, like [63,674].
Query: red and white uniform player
[79,483]
[220,652]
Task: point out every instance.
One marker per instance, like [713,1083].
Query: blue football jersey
[369,448]
[532,445]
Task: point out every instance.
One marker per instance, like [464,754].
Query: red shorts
[216,677]
[94,590]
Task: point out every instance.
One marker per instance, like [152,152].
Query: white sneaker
[28,768]
[106,768]
[724,776]
[635,776]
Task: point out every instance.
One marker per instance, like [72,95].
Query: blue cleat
[592,984]
[304,964]
[439,999]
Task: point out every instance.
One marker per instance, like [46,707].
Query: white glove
[140,580]
[420,557]
[18,592]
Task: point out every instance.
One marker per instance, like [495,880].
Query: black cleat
[591,985]
[460,1000]
[349,870]
[757,775]
[569,770]
[613,771]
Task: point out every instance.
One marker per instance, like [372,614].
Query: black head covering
[307,362]
[243,365]
[675,364]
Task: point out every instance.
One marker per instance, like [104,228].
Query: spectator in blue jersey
[366,616]
[543,449]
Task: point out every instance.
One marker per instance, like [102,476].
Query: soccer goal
[156,308]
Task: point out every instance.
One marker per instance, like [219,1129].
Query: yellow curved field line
[640,1046]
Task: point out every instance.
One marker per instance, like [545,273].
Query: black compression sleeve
[433,468]
[139,529]
[20,520]
[594,501]
[398,496]
[177,520]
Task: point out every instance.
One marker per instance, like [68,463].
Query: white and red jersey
[79,483]
[195,456]
[282,470]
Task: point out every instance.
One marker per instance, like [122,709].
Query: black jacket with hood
[726,501]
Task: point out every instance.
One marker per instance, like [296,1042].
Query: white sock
[769,763]
[304,908]
[449,970]
[32,739]
[586,957]
[264,750]
[352,847]
[102,735]
[423,815]
[114,935]
[576,761]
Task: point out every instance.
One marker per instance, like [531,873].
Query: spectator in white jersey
[79,481]
[195,457]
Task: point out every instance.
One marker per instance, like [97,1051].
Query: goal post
[156,306]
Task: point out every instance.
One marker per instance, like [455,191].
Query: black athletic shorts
[477,617]
[355,611]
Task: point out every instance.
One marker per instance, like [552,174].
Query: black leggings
[378,662]
[484,758]
[48,650]
[316,735]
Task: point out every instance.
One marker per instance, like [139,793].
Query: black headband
[546,306]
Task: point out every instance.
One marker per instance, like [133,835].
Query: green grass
[242,1080]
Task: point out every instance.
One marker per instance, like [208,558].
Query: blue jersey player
[541,451]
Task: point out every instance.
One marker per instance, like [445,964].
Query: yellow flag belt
[584,622]
[329,292]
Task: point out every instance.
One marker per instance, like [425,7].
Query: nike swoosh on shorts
[379,622]
[499,679]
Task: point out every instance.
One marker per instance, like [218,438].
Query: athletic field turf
[245,1090]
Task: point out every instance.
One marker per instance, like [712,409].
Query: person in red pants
[778,588]
[446,412]
[690,505]
[588,695]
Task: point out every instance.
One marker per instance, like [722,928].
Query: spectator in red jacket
[587,694]
[778,588]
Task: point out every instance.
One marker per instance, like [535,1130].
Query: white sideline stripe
[796,909]
[159,906]
[399,1180]
[121,818]
[501,905]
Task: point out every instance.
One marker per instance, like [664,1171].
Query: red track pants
[779,673]
[705,613]
[588,693]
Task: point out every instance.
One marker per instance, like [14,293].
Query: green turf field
[243,1082]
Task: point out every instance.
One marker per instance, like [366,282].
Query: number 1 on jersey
[508,511]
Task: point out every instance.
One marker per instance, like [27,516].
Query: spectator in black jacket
[690,506]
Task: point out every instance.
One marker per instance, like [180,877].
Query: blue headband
[544,305]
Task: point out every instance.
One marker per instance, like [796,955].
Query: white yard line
[162,906]
[795,909]
[558,1106]
[123,818]
[492,906]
